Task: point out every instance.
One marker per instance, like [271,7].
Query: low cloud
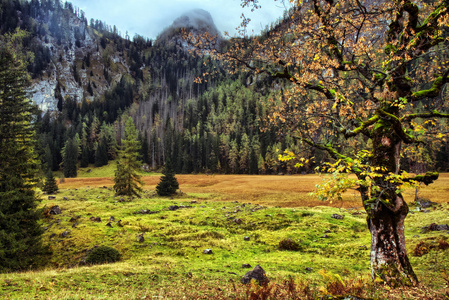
[150,17]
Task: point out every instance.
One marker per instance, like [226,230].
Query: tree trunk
[389,261]
[386,214]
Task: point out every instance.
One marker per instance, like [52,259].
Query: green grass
[105,171]
[170,262]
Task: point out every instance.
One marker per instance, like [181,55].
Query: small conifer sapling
[168,184]
[50,185]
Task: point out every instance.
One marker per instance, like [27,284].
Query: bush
[102,254]
[289,244]
[423,248]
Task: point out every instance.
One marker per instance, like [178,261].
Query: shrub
[424,247]
[102,254]
[289,244]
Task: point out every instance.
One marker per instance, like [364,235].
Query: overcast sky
[149,17]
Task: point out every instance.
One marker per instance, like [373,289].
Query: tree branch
[361,129]
[428,115]
[434,91]
[427,179]
[333,153]
[397,126]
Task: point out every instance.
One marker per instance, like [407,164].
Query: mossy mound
[102,255]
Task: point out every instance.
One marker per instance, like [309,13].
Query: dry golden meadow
[268,190]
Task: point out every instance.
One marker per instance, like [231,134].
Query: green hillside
[170,262]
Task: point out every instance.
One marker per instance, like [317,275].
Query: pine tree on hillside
[50,185]
[101,154]
[144,151]
[20,232]
[127,180]
[168,184]
[70,158]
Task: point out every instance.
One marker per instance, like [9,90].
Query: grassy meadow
[242,219]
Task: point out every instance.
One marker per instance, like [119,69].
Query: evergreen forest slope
[87,75]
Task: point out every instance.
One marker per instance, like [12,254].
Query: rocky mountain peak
[197,21]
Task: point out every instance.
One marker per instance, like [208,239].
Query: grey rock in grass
[140,238]
[246,238]
[207,251]
[257,274]
[238,221]
[55,210]
[51,197]
[337,216]
[247,266]
[173,207]
[176,207]
[146,212]
[74,219]
[435,227]
[95,219]
[424,203]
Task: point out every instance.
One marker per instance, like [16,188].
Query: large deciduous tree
[365,77]
[20,231]
[127,179]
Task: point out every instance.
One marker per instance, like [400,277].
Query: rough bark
[387,211]
[389,260]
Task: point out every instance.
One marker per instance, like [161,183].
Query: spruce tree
[20,232]
[144,151]
[50,186]
[168,184]
[70,158]
[127,180]
[101,154]
[85,153]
